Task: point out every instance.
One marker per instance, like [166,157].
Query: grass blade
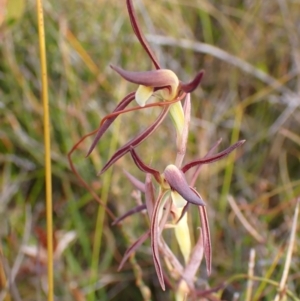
[47,144]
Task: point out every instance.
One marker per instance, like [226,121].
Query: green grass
[82,39]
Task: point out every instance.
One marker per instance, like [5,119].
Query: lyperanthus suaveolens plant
[167,192]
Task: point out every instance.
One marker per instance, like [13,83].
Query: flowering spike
[177,182]
[191,86]
[139,34]
[213,158]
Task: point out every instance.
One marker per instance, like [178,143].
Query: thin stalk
[288,261]
[262,279]
[268,275]
[47,144]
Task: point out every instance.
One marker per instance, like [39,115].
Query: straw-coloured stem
[47,144]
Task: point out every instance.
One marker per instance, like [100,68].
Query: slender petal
[209,154]
[164,248]
[205,235]
[136,141]
[213,158]
[143,167]
[153,78]
[123,104]
[187,119]
[175,178]
[164,215]
[191,86]
[139,34]
[149,195]
[155,235]
[133,248]
[206,238]
[135,182]
[129,213]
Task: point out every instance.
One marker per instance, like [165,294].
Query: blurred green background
[250,51]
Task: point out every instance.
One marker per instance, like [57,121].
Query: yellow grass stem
[47,145]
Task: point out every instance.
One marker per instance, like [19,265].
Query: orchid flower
[173,189]
[162,84]
[175,194]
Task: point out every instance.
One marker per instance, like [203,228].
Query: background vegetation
[250,51]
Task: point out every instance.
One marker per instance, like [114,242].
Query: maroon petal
[129,213]
[144,167]
[177,181]
[191,86]
[206,237]
[149,195]
[139,34]
[123,104]
[133,248]
[155,233]
[153,78]
[135,182]
[136,141]
[209,154]
[213,158]
[182,142]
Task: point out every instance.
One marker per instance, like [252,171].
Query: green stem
[101,212]
[230,159]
